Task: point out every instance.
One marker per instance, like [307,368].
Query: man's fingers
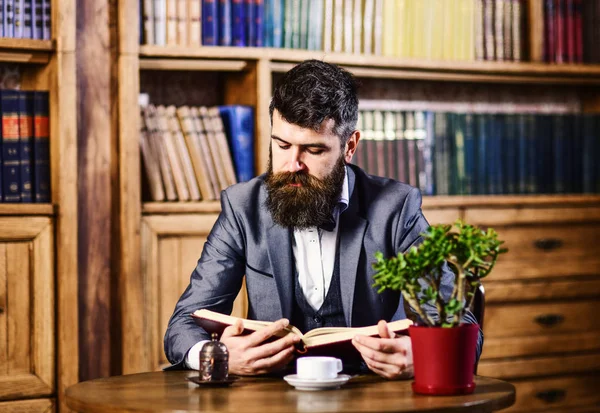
[264,333]
[275,361]
[235,329]
[384,331]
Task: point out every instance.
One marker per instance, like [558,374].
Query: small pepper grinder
[214,360]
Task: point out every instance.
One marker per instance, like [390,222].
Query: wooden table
[170,391]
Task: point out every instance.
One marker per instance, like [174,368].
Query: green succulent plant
[470,252]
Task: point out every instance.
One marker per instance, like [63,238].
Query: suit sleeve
[214,284]
[411,225]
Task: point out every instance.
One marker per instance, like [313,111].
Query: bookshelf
[38,244]
[160,242]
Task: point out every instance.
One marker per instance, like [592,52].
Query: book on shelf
[151,165]
[206,150]
[11,150]
[222,145]
[238,121]
[332,341]
[26,143]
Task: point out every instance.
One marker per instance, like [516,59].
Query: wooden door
[27,318]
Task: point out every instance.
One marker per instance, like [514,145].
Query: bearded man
[304,235]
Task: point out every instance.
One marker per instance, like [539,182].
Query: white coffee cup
[318,368]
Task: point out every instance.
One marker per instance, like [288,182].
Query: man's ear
[351,145]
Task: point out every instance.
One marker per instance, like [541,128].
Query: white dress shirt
[314,256]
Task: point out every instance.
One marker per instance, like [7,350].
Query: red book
[578,29]
[570,30]
[549,32]
[559,15]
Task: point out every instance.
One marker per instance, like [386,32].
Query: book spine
[278,18]
[195,19]
[338,25]
[570,30]
[238,122]
[348,24]
[238,23]
[380,146]
[420,135]
[550,31]
[28,19]
[47,20]
[303,24]
[259,24]
[209,23]
[41,147]
[517,30]
[357,26]
[482,141]
[507,30]
[499,28]
[18,18]
[401,167]
[225,24]
[148,22]
[182,23]
[389,132]
[160,22]
[479,30]
[488,30]
[171,22]
[559,16]
[9,16]
[1,35]
[9,103]
[469,145]
[578,30]
[249,22]
[26,143]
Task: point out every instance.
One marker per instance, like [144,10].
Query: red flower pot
[444,359]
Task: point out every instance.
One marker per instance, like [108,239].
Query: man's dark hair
[314,91]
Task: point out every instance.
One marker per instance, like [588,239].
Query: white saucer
[325,384]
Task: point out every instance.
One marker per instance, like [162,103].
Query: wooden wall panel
[19,308]
[95,97]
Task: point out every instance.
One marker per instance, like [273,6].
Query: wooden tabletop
[171,391]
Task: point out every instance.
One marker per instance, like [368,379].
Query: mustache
[287,178]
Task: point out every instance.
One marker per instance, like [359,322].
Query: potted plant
[443,348]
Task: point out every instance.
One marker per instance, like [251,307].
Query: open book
[326,341]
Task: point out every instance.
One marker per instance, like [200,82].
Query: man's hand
[248,355]
[387,355]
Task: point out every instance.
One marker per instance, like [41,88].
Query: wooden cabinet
[27,309]
[542,330]
[171,246]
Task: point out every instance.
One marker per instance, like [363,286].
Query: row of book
[25,146]
[571,31]
[444,153]
[426,29]
[25,19]
[193,153]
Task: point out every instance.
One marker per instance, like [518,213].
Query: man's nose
[295,163]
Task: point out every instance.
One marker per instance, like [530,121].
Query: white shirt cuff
[192,358]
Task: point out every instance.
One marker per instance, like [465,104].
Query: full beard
[308,205]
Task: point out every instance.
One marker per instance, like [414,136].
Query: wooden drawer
[538,290]
[548,251]
[571,393]
[521,368]
[533,319]
[28,406]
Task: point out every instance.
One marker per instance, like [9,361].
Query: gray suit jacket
[383,215]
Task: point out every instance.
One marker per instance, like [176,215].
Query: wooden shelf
[193,64]
[500,201]
[25,50]
[181,207]
[26,209]
[395,68]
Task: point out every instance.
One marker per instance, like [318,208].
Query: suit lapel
[280,255]
[351,234]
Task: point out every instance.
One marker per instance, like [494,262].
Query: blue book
[238,23]
[26,143]
[249,23]
[509,151]
[41,147]
[11,170]
[469,183]
[482,123]
[276,31]
[559,153]
[8,17]
[46,20]
[259,23]
[224,25]
[27,19]
[238,121]
[590,133]
[210,20]
[522,155]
